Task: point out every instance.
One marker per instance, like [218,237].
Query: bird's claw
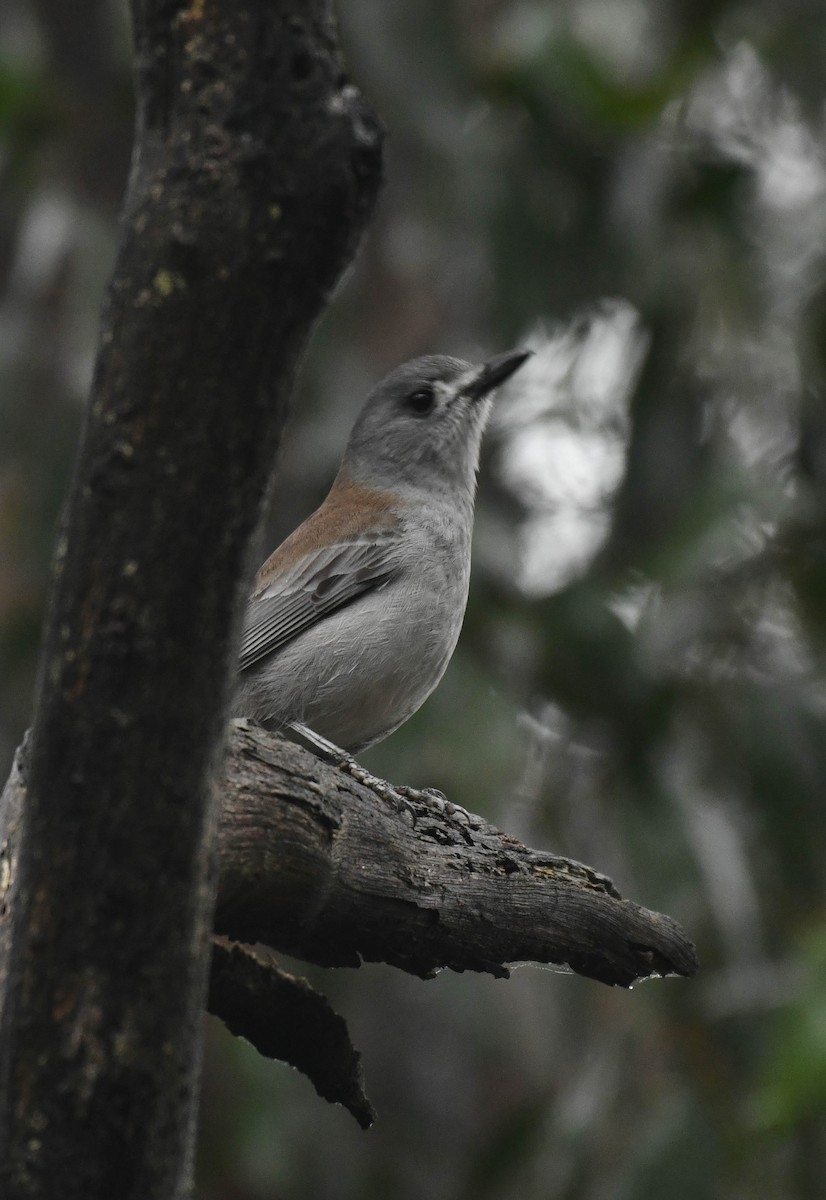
[435,800]
[408,799]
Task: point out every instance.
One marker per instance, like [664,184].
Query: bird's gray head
[423,424]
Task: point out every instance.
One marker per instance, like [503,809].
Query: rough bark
[285,1018]
[255,168]
[316,865]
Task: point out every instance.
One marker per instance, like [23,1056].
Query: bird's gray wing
[323,582]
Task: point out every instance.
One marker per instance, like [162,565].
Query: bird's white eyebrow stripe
[446,390]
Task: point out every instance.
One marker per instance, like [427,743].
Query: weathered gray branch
[317,866]
[320,867]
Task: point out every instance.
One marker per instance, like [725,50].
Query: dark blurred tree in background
[637,189]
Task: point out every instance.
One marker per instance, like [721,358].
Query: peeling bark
[316,865]
[285,1018]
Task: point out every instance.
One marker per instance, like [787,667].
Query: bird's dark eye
[421,401]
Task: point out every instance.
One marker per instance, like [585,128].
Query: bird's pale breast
[361,671]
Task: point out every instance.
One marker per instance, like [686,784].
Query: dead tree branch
[317,866]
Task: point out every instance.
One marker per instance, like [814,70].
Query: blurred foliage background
[636,189]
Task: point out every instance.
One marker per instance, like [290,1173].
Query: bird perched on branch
[354,618]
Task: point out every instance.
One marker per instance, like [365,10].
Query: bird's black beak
[495,371]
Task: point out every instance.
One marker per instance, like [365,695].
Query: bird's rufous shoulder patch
[352,512]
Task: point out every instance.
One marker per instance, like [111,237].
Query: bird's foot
[435,800]
[383,789]
[408,799]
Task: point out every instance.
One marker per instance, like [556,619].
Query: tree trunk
[254,171]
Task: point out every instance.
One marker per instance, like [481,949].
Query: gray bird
[355,616]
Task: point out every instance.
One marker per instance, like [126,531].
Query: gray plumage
[354,618]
